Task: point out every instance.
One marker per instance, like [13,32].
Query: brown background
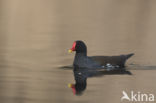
[36,34]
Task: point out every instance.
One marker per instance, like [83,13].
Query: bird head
[78,46]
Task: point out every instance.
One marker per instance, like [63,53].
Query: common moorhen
[82,60]
[85,66]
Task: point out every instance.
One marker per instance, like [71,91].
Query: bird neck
[81,53]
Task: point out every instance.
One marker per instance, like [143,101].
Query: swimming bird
[82,60]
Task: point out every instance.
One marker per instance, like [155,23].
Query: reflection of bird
[85,66]
[125,96]
[81,75]
[81,81]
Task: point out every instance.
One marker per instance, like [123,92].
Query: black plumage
[82,60]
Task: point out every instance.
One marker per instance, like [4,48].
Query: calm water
[35,36]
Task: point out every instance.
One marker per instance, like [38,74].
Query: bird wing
[113,60]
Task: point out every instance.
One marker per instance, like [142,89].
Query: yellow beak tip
[69,51]
[69,85]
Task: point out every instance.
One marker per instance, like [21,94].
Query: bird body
[83,61]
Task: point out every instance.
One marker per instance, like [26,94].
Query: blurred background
[36,34]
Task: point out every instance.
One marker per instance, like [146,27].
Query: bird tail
[129,55]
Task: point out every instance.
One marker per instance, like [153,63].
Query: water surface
[35,36]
